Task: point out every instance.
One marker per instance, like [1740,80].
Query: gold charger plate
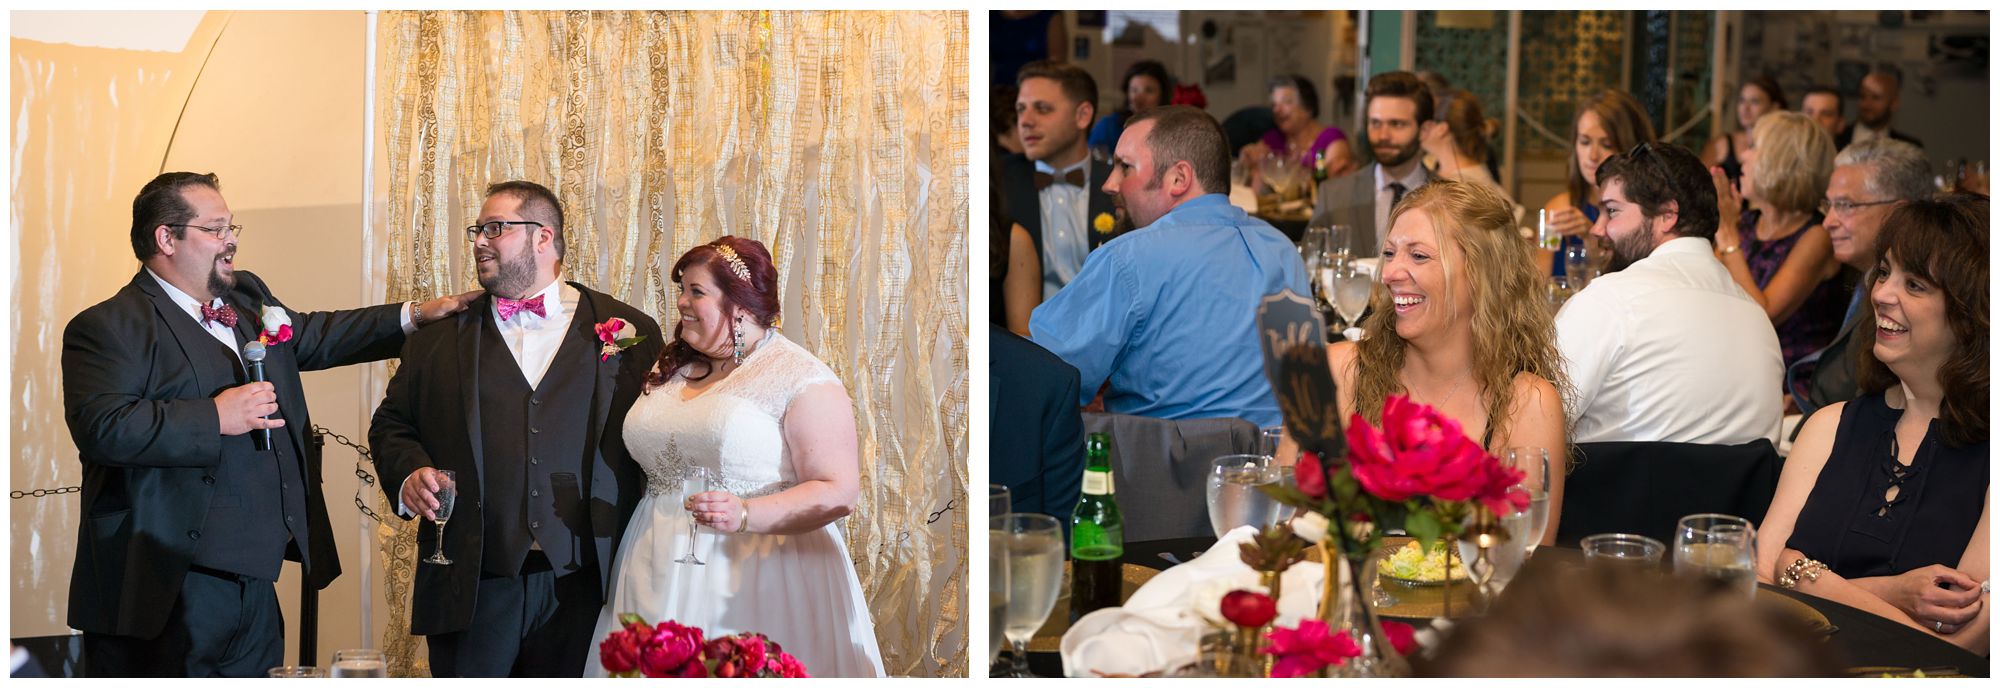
[1049,638]
[1417,600]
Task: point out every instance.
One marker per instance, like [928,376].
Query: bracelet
[1802,567]
[1726,250]
[744,523]
[416,314]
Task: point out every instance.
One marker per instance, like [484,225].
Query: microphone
[253,359]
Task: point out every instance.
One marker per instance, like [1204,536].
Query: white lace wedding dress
[800,590]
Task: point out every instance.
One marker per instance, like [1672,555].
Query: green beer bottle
[1097,535]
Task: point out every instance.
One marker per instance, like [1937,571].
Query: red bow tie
[508,307]
[224,315]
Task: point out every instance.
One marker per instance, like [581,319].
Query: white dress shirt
[1863,132]
[1064,243]
[1385,197]
[1670,349]
[532,339]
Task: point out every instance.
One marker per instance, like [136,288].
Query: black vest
[258,506]
[534,444]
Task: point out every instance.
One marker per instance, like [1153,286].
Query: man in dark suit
[1037,438]
[1874,112]
[187,512]
[521,399]
[1054,188]
[1399,107]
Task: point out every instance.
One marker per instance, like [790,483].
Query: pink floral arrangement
[1313,645]
[671,650]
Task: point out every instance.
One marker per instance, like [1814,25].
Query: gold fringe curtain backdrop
[838,139]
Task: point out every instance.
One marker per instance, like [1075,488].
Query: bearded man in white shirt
[1667,348]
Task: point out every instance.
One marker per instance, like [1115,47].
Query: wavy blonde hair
[1794,161]
[1513,328]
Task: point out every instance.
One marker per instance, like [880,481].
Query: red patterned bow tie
[224,315]
[508,307]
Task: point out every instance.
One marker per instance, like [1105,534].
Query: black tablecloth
[1866,639]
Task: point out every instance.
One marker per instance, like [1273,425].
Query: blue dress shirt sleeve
[1090,321]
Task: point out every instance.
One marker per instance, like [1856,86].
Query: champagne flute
[1034,544]
[1533,461]
[997,588]
[447,496]
[696,480]
[1718,546]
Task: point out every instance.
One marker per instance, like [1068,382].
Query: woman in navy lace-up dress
[1883,502]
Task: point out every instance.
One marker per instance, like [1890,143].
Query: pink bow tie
[224,315]
[508,307]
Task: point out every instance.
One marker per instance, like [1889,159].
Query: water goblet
[1034,544]
[1351,289]
[447,497]
[999,500]
[289,671]
[360,664]
[1719,546]
[997,588]
[1534,463]
[1233,498]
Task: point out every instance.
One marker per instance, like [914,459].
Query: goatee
[512,276]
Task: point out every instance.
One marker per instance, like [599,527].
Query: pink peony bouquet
[671,650]
[1313,645]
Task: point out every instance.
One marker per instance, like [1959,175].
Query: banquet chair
[1646,487]
[1160,469]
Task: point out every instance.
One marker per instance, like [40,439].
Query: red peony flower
[1312,477]
[672,645]
[620,652]
[1496,493]
[1417,452]
[1401,636]
[1308,648]
[790,667]
[1249,609]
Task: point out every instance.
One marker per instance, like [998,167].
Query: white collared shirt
[1385,197]
[1670,349]
[1863,132]
[1064,243]
[215,329]
[534,340]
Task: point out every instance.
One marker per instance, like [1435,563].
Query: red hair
[757,295]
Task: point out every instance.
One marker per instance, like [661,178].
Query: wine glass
[996,594]
[1313,244]
[999,500]
[1558,292]
[1718,546]
[696,480]
[1337,237]
[1576,263]
[1351,287]
[447,496]
[1034,544]
[1233,498]
[1534,462]
[360,664]
[1268,441]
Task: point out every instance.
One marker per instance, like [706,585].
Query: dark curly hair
[1943,242]
[757,296]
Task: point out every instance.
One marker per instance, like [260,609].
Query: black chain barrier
[44,492]
[366,479]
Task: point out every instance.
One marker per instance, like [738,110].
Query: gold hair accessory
[736,264]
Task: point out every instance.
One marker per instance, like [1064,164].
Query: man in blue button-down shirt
[1167,315]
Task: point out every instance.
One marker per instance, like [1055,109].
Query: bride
[733,395]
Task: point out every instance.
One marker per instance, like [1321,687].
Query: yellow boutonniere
[1102,223]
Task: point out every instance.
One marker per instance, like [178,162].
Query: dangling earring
[738,336]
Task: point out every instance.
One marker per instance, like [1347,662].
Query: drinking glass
[1559,292]
[1323,271]
[1576,263]
[1546,235]
[1337,237]
[1233,498]
[360,664]
[999,500]
[1622,549]
[1269,439]
[1718,546]
[1351,288]
[696,480]
[996,594]
[295,672]
[1314,243]
[447,496]
[1034,544]
[1507,557]
[1534,462]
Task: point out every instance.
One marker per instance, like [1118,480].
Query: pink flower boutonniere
[617,335]
[277,326]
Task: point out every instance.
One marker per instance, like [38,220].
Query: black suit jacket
[1847,136]
[140,408]
[1024,202]
[1037,438]
[430,418]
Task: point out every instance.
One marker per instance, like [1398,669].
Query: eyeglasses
[494,229]
[217,231]
[1844,207]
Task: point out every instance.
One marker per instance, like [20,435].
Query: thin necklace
[1454,392]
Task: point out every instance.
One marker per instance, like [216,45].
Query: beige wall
[276,109]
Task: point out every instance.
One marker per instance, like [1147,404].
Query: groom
[522,400]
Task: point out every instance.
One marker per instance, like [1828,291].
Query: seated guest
[1754,99]
[1778,252]
[1016,286]
[1824,105]
[1869,179]
[1883,503]
[1146,87]
[1660,351]
[1397,104]
[1456,141]
[1598,621]
[1053,190]
[1166,315]
[1607,123]
[1881,95]
[1298,133]
[1037,438]
[1454,259]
